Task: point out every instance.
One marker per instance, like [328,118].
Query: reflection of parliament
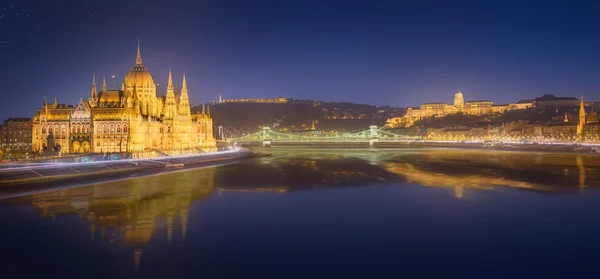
[126,120]
[129,212]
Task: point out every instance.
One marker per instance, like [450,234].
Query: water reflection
[458,169]
[132,212]
[131,208]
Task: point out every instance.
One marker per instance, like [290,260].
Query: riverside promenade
[18,179]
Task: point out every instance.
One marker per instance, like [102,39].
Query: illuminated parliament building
[131,119]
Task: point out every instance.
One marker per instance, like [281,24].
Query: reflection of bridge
[268,136]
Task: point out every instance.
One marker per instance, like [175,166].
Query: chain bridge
[267,136]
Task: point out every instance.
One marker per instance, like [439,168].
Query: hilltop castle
[427,110]
[126,120]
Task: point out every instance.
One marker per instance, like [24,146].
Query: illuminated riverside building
[131,119]
[583,126]
[15,134]
[441,109]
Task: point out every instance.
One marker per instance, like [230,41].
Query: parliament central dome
[139,75]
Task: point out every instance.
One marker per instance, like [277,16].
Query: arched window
[169,129]
[72,129]
[118,129]
[112,129]
[87,128]
[80,128]
[124,128]
[105,129]
[43,130]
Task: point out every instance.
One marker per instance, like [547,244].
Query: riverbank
[520,147]
[24,179]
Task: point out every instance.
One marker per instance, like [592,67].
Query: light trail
[62,165]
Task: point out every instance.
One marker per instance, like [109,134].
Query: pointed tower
[138,58]
[45,103]
[184,101]
[104,84]
[55,102]
[220,98]
[170,100]
[93,95]
[581,119]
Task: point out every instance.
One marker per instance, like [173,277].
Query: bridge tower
[266,136]
[220,133]
[373,135]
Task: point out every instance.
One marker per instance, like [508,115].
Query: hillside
[299,115]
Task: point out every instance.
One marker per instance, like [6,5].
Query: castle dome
[138,75]
[459,99]
[458,94]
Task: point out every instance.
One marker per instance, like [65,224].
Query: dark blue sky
[399,53]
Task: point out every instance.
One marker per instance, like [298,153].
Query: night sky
[399,53]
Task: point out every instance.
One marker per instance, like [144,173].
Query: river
[316,213]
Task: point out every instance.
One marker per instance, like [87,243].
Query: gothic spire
[170,108]
[55,102]
[104,84]
[170,83]
[184,102]
[138,59]
[45,103]
[93,94]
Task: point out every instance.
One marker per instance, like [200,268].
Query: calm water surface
[321,213]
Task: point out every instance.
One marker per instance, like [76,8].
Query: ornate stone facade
[127,120]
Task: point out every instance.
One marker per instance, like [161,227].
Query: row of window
[99,129]
[105,129]
[15,140]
